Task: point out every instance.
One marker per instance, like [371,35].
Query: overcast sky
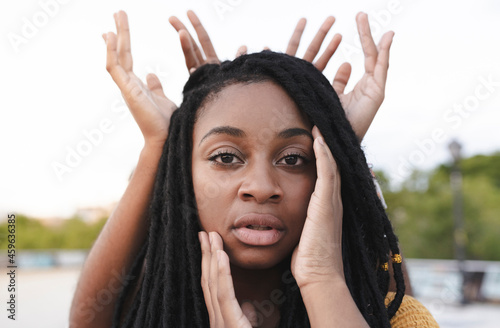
[444,83]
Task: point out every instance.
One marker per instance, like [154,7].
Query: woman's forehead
[251,107]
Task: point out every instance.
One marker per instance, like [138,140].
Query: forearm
[105,271]
[330,304]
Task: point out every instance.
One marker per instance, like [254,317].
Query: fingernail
[321,141]
[219,255]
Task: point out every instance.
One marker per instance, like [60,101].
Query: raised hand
[316,43]
[150,107]
[217,284]
[192,53]
[363,102]
[318,256]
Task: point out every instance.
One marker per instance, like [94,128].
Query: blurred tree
[421,210]
[32,234]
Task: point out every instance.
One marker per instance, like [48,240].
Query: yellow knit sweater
[411,314]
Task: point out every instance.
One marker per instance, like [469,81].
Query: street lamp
[459,236]
[455,150]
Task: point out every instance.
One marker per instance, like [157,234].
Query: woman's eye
[292,160]
[225,159]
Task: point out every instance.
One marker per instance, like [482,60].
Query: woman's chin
[256,259]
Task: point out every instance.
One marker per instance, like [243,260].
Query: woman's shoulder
[411,313]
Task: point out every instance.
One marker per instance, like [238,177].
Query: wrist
[149,158]
[154,145]
[318,283]
[320,272]
[330,304]
[152,148]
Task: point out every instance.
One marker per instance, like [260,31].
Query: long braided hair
[170,293]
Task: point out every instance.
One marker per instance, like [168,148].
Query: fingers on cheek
[205,274]
[223,264]
[214,269]
[226,295]
[203,237]
[215,242]
[205,263]
[222,274]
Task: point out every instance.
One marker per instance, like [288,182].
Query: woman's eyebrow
[293,132]
[235,132]
[229,130]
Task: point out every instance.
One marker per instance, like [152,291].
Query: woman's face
[253,172]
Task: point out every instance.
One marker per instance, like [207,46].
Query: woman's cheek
[303,198]
[211,201]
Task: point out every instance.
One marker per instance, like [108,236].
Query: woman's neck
[262,289]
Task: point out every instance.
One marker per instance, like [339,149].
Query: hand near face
[318,256]
[217,285]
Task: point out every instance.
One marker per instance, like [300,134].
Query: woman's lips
[258,229]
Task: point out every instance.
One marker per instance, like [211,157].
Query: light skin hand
[363,102]
[217,285]
[314,46]
[195,57]
[192,52]
[316,43]
[148,104]
[317,260]
[318,256]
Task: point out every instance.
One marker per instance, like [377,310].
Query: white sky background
[55,86]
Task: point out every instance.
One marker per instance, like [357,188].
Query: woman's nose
[261,184]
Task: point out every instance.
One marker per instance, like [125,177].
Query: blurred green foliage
[421,210]
[71,234]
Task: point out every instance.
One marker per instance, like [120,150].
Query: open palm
[147,102]
[363,102]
